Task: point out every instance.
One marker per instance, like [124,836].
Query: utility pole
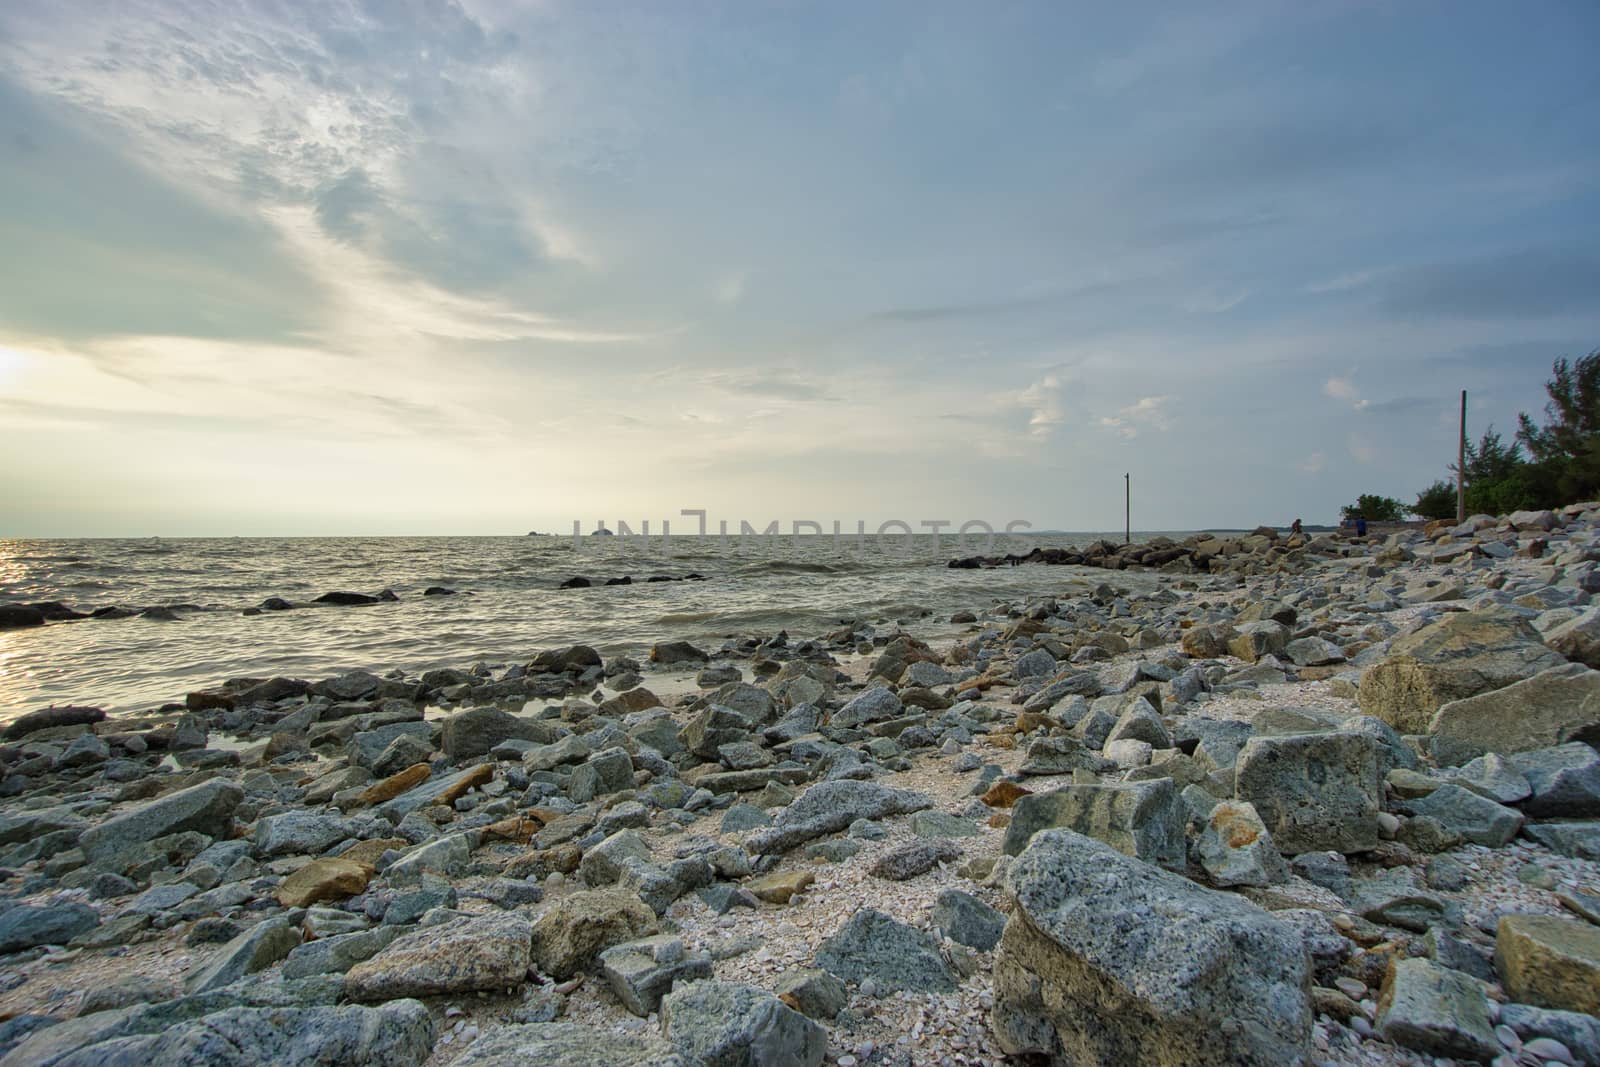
[1461,464]
[1127,511]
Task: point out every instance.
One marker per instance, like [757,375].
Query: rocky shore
[1307,801]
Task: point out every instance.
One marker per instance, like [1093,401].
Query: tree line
[1540,467]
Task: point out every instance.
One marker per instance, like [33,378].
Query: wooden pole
[1461,464]
[1127,511]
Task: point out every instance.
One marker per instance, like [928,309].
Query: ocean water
[508,604]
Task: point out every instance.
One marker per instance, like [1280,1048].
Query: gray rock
[567,1045]
[1551,708]
[1580,840]
[28,925]
[1460,656]
[476,731]
[966,920]
[1578,639]
[606,772]
[1107,959]
[829,807]
[874,705]
[919,857]
[1493,777]
[1036,664]
[1314,792]
[742,817]
[254,950]
[711,729]
[569,749]
[426,794]
[1579,1032]
[298,832]
[366,748]
[815,994]
[1565,781]
[896,957]
[1141,722]
[206,808]
[1435,1010]
[640,973]
[1475,818]
[572,931]
[480,952]
[722,1024]
[397,1034]
[337,954]
[1236,848]
[1142,819]
[603,864]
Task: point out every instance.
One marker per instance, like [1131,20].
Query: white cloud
[1344,389]
[1314,463]
[1146,413]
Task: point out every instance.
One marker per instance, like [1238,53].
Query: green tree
[1438,501]
[1569,441]
[1491,459]
[1375,508]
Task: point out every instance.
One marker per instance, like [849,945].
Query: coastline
[476,795]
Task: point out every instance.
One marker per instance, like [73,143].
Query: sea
[508,602]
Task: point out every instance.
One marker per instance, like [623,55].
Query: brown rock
[482,774]
[540,862]
[780,888]
[1550,962]
[327,878]
[367,852]
[1004,794]
[396,784]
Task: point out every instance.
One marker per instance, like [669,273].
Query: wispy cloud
[1146,413]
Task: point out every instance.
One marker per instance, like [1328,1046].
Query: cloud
[1345,282]
[1314,463]
[1146,413]
[1344,389]
[729,289]
[1042,400]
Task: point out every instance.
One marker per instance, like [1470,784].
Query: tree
[1375,508]
[1569,442]
[1491,459]
[1438,501]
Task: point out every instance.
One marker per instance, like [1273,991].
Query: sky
[473,267]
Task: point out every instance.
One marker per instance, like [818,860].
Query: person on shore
[1295,528]
[1361,526]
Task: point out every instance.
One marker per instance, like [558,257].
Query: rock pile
[1305,800]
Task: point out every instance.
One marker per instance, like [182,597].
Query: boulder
[328,878]
[874,705]
[567,1045]
[1470,816]
[252,950]
[1578,638]
[28,925]
[1565,781]
[338,953]
[476,731]
[605,772]
[397,1034]
[1461,655]
[919,857]
[1141,819]
[50,718]
[1551,708]
[1435,1010]
[829,807]
[1235,847]
[481,952]
[813,993]
[1106,959]
[724,1024]
[640,973]
[206,808]
[1313,792]
[1550,962]
[299,832]
[966,920]
[575,929]
[895,956]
